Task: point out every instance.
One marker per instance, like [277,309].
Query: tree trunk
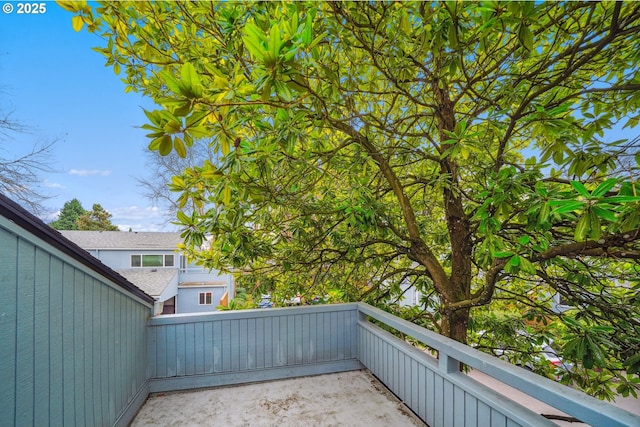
[455,324]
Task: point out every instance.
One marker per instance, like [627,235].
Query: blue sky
[54,83]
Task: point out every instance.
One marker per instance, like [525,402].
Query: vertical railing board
[41,339]
[118,346]
[89,353]
[68,355]
[459,401]
[78,344]
[198,331]
[99,405]
[484,414]
[448,404]
[55,351]
[305,338]
[422,402]
[208,357]
[498,419]
[8,324]
[471,414]
[24,334]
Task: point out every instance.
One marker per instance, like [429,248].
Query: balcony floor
[352,398]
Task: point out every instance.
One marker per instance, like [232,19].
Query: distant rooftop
[151,281]
[89,240]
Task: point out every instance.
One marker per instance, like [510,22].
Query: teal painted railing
[231,347]
[194,351]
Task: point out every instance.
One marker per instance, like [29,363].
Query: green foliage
[240,302]
[460,146]
[74,217]
[97,219]
[69,215]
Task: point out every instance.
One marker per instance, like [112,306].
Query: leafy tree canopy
[463,147]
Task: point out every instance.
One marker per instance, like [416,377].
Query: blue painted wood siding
[250,345]
[72,343]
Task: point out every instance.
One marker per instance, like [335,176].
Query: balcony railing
[194,351]
[77,348]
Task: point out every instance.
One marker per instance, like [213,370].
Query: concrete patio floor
[354,398]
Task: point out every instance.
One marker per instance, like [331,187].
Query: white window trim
[205,298]
[164,261]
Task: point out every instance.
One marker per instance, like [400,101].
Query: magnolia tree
[483,153]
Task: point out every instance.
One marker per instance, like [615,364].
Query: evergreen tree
[69,215]
[96,219]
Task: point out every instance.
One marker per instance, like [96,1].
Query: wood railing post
[448,364]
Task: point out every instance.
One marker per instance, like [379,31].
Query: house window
[151,260]
[204,298]
[136,261]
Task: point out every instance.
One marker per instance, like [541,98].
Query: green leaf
[253,41]
[564,206]
[604,214]
[196,118]
[179,146]
[183,218]
[170,81]
[581,189]
[595,230]
[582,228]
[504,254]
[226,195]
[274,40]
[525,36]
[153,117]
[523,240]
[190,79]
[604,187]
[543,214]
[527,266]
[165,145]
[620,199]
[514,261]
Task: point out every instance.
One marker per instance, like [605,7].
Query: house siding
[73,341]
[188,298]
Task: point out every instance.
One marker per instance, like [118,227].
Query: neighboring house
[152,262]
[410,295]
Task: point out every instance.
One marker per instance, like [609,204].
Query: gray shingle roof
[89,240]
[153,282]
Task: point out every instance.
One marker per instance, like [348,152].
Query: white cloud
[50,184]
[141,218]
[87,172]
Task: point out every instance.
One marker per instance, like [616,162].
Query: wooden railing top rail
[172,319]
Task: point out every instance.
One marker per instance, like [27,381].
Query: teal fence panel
[74,343]
[230,347]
